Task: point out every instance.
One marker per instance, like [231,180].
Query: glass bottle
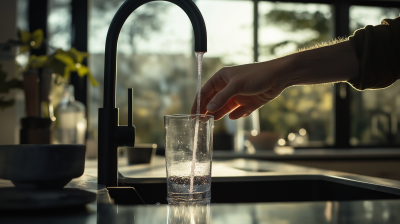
[71,120]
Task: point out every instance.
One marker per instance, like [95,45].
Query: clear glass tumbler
[188,155]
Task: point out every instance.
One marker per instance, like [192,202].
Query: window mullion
[38,20]
[255,30]
[79,40]
[342,90]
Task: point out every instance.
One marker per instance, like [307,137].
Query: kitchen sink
[317,188]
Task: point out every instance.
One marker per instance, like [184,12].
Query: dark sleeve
[378,52]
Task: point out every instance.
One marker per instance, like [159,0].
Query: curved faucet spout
[188,6]
[110,134]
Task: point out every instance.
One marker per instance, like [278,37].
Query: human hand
[239,90]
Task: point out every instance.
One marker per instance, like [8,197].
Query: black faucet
[110,134]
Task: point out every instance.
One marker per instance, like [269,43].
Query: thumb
[221,98]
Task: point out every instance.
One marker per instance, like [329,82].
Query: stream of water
[196,128]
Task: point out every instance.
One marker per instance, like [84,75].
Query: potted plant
[39,77]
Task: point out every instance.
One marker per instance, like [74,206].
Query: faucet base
[107,147]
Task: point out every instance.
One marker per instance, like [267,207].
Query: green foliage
[298,21]
[6,86]
[298,107]
[295,21]
[142,23]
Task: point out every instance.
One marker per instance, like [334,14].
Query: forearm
[334,63]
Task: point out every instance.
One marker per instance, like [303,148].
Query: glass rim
[188,115]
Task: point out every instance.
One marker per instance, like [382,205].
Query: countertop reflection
[272,213]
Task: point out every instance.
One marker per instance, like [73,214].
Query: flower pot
[36,127]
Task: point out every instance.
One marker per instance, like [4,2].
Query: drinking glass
[188,155]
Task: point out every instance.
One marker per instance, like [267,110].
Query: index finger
[203,103]
[210,88]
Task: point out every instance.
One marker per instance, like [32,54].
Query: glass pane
[230,42]
[156,58]
[361,16]
[230,37]
[374,114]
[59,25]
[23,24]
[22,15]
[301,115]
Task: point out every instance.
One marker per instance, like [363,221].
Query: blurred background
[156,59]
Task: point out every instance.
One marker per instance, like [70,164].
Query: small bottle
[71,121]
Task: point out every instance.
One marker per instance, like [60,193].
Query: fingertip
[233,117]
[221,98]
[212,107]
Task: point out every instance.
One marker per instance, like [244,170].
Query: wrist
[288,71]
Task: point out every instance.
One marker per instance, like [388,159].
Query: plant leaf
[78,56]
[36,62]
[92,80]
[83,70]
[25,37]
[66,59]
[37,37]
[23,49]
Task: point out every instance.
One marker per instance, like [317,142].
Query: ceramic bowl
[41,166]
[264,140]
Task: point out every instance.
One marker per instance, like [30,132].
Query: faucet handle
[125,135]
[130,114]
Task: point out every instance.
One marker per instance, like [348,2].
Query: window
[283,29]
[59,22]
[155,57]
[145,63]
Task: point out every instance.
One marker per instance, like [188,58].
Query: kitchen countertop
[289,153]
[375,162]
[248,170]
[102,211]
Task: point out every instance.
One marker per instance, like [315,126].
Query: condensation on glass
[188,156]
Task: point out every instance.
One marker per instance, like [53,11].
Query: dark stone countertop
[102,211]
[289,153]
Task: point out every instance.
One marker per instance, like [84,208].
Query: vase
[36,126]
[31,90]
